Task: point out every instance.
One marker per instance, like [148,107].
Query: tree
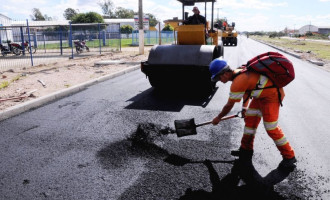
[168,27]
[124,13]
[107,8]
[152,20]
[90,17]
[69,13]
[47,18]
[37,15]
[126,29]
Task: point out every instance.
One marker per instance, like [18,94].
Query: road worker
[265,104]
[224,25]
[196,18]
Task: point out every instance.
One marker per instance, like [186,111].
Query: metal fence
[152,37]
[30,43]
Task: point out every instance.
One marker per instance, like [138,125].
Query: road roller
[185,63]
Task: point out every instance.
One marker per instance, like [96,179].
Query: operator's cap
[195,8]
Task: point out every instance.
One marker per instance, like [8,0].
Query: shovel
[187,127]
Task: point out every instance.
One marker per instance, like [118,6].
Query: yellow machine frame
[195,35]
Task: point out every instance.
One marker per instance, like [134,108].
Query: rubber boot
[243,154]
[287,165]
[245,158]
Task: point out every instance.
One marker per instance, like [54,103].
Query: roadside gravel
[46,79]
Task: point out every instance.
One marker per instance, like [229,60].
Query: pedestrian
[196,18]
[265,104]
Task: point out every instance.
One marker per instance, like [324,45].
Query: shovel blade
[185,127]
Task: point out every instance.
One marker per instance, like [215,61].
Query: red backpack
[275,66]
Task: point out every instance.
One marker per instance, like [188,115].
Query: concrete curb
[315,62]
[20,108]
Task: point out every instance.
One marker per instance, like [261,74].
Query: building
[308,28]
[324,30]
[122,22]
[4,33]
[314,29]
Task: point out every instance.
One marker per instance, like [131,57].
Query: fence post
[132,37]
[103,38]
[70,40]
[35,40]
[119,37]
[44,38]
[99,26]
[28,29]
[167,37]
[22,39]
[156,37]
[160,34]
[61,42]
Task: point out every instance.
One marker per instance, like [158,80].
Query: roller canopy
[195,55]
[196,1]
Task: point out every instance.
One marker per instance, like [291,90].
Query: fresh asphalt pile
[148,133]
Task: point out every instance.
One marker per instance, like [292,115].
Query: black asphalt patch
[148,133]
[144,143]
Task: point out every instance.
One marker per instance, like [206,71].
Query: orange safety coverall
[265,104]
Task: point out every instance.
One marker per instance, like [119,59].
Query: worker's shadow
[230,187]
[170,100]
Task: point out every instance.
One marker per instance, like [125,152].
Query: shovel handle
[210,122]
[204,123]
[222,119]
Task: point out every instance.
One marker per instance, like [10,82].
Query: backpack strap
[257,88]
[280,64]
[279,96]
[265,65]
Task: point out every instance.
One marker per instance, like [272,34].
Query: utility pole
[141,31]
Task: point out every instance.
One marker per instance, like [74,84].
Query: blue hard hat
[216,67]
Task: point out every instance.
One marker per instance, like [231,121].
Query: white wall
[308,28]
[5,34]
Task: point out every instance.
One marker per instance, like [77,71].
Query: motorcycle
[9,49]
[26,47]
[80,46]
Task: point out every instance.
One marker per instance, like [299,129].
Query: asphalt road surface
[77,147]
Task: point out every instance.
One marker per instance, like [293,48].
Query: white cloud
[256,22]
[299,21]
[250,4]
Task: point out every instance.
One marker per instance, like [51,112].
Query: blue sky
[249,15]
